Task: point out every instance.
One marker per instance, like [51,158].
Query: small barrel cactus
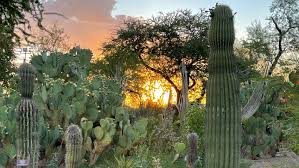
[223,111]
[73,140]
[27,74]
[192,157]
[27,133]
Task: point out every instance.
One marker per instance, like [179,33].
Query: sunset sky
[91,22]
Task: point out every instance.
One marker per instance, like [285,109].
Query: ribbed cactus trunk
[73,140]
[223,120]
[27,121]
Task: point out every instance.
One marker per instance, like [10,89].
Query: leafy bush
[195,121]
[8,101]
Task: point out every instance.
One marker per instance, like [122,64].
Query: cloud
[88,22]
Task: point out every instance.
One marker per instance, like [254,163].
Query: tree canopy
[13,25]
[163,42]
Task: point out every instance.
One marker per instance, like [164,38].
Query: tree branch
[280,50]
[160,73]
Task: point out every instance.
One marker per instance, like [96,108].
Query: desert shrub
[195,121]
[163,135]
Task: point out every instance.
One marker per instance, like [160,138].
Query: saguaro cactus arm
[255,101]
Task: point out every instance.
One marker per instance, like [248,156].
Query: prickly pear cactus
[73,140]
[104,134]
[223,122]
[27,75]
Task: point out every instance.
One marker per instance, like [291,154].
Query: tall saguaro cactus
[27,121]
[223,119]
[74,140]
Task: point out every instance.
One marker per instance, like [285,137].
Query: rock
[283,159]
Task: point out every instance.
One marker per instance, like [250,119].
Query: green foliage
[263,132]
[179,148]
[261,136]
[8,101]
[14,15]
[94,103]
[195,121]
[73,66]
[123,162]
[6,55]
[163,42]
[104,134]
[294,77]
[131,134]
[162,135]
[291,122]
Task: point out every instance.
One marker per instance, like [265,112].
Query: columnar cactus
[27,75]
[223,122]
[27,121]
[192,157]
[74,140]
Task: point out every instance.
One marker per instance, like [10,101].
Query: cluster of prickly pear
[66,102]
[132,133]
[72,65]
[27,120]
[104,134]
[192,157]
[223,119]
[73,144]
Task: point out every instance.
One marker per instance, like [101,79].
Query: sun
[156,92]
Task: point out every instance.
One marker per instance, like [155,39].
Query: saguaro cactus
[27,121]
[73,139]
[223,122]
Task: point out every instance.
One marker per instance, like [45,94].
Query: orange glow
[157,93]
[152,90]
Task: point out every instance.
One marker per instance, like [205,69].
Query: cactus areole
[223,119]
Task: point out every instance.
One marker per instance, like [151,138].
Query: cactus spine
[73,138]
[223,122]
[27,121]
[192,157]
